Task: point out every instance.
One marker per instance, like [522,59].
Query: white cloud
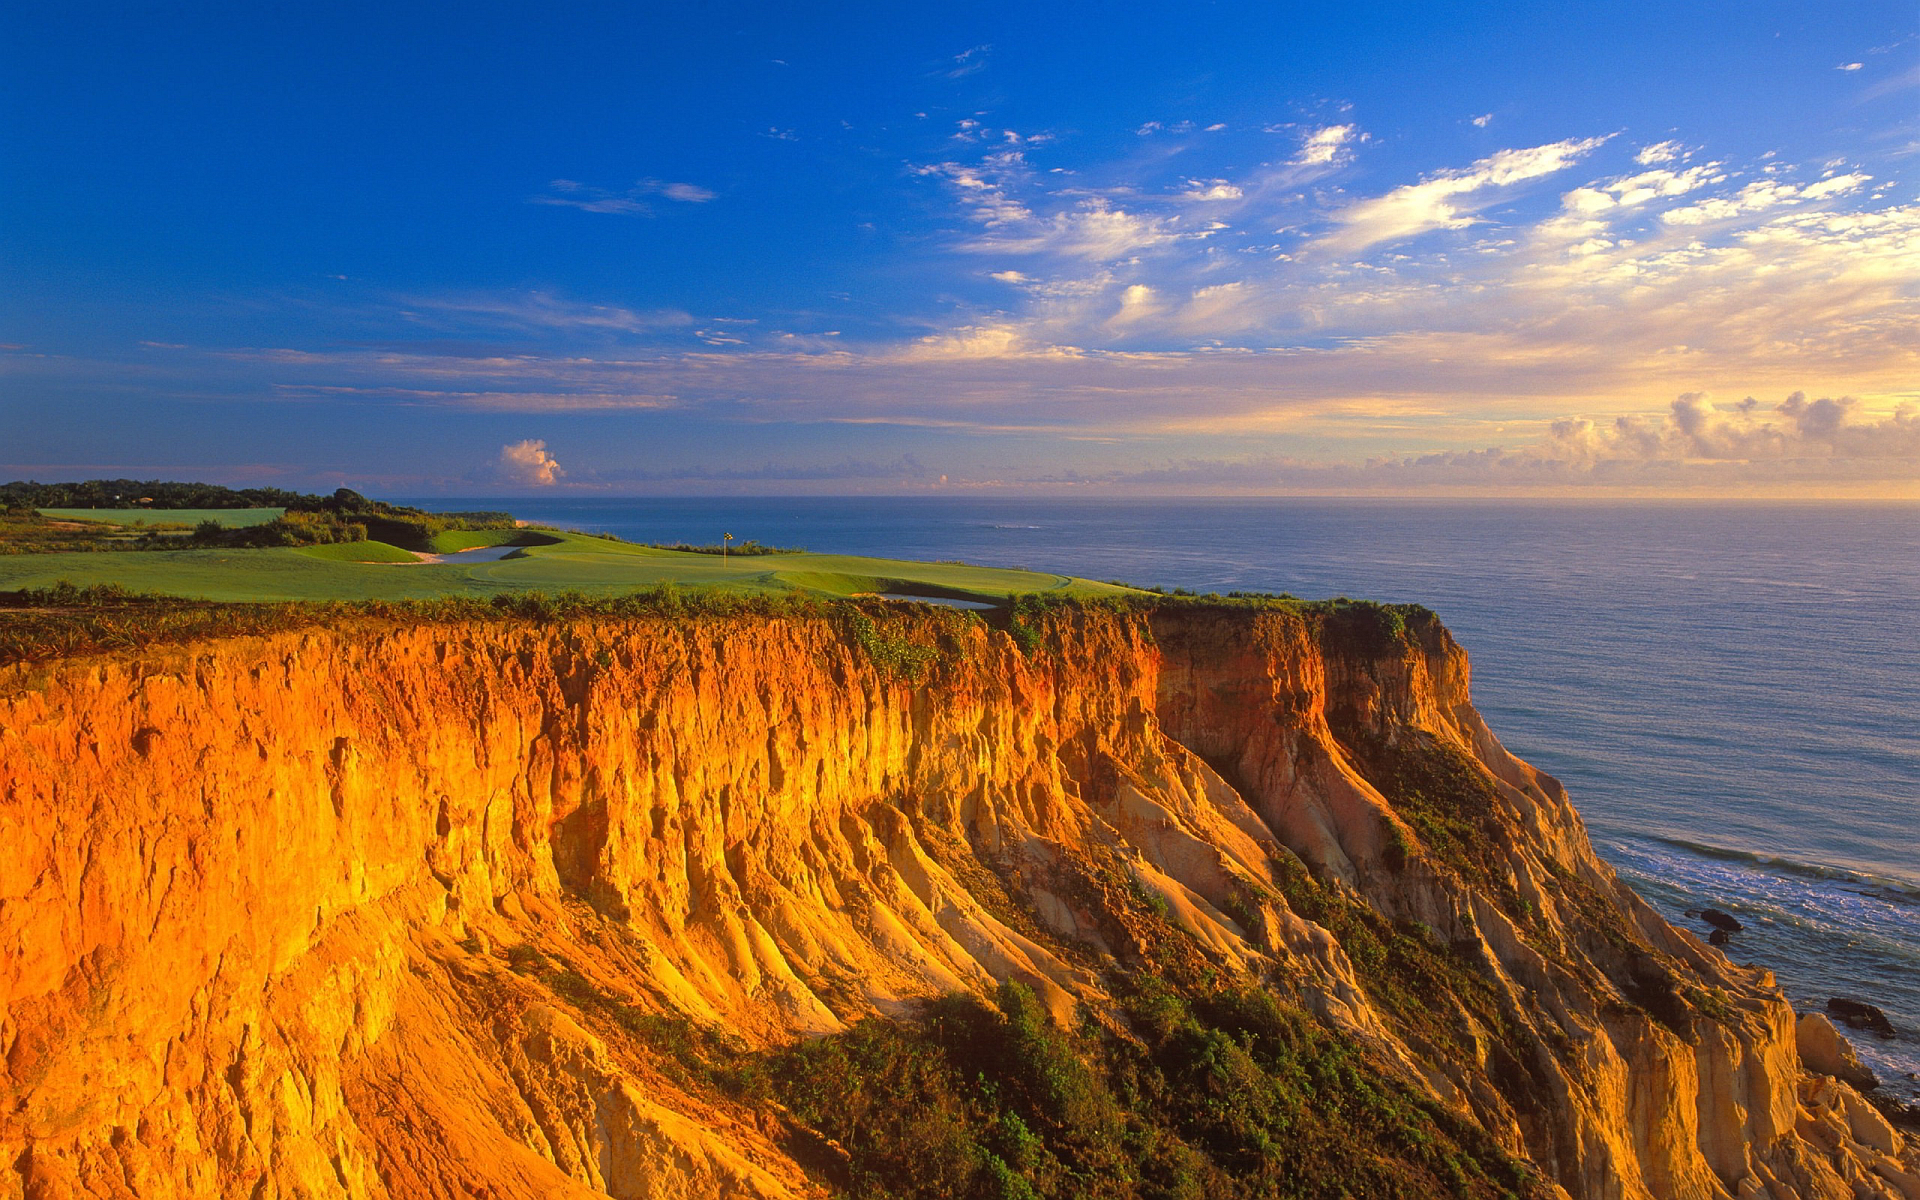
[1092,228]
[1216,189]
[1835,185]
[686,193]
[1762,195]
[1695,446]
[1483,120]
[1445,200]
[1631,190]
[1127,322]
[1849,66]
[1324,145]
[1137,302]
[1659,152]
[539,312]
[967,62]
[570,193]
[528,463]
[1693,428]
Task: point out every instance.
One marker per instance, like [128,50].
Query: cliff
[590,906]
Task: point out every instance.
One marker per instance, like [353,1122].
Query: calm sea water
[1730,692]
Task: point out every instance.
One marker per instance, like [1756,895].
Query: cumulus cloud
[1695,445]
[1763,194]
[1324,145]
[1693,428]
[1659,152]
[1449,199]
[1630,190]
[527,463]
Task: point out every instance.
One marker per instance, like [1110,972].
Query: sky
[1425,249]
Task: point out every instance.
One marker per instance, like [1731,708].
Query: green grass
[232,518]
[453,541]
[357,552]
[568,562]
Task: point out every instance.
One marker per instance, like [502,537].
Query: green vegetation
[560,562]
[359,552]
[268,545]
[1197,1092]
[452,541]
[1226,1094]
[291,528]
[230,518]
[218,516]
[1451,802]
[65,618]
[908,653]
[128,494]
[749,549]
[23,531]
[225,545]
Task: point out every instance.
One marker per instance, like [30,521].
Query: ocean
[1731,692]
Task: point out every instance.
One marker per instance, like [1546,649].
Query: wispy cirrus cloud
[1084,227]
[634,201]
[970,61]
[536,312]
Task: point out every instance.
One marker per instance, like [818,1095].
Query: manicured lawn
[456,540]
[232,518]
[569,562]
[359,552]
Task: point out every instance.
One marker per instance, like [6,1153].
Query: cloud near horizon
[1695,445]
[528,464]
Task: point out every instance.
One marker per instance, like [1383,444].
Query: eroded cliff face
[270,907]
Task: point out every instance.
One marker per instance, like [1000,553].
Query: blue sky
[1088,248]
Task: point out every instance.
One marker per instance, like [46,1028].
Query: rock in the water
[1719,937]
[1720,920]
[1860,1015]
[1824,1052]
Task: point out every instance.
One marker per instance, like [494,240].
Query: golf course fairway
[566,562]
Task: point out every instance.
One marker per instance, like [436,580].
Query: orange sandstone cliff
[285,915]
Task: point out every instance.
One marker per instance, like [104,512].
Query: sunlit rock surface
[265,903]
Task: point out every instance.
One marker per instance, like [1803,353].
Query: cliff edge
[1159,900]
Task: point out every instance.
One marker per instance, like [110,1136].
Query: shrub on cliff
[1228,1094]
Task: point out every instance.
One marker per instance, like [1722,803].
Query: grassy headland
[564,562]
[345,547]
